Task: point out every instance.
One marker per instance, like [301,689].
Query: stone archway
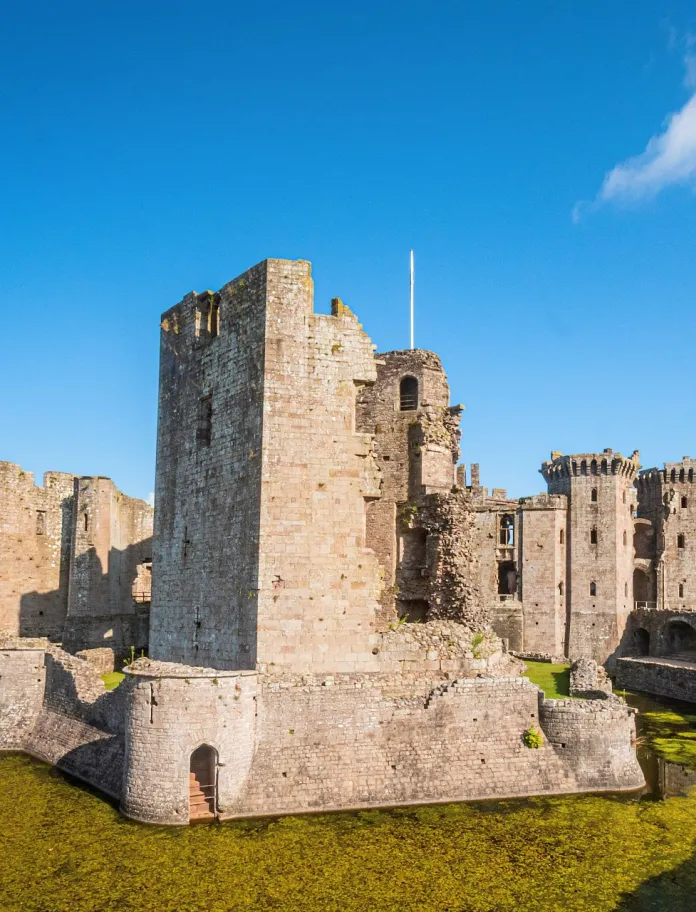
[680,637]
[641,641]
[203,783]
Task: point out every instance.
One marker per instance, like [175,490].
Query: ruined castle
[334,605]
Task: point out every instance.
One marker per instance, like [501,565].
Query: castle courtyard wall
[342,742]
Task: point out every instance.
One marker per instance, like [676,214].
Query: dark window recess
[41,522]
[205,421]
[593,537]
[86,523]
[684,502]
[681,541]
[214,319]
[413,611]
[561,537]
[594,495]
[681,590]
[593,588]
[408,394]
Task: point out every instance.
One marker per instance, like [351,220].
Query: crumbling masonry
[320,632]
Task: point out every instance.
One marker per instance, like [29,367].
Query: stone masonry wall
[337,742]
[667,497]
[35,541]
[601,506]
[208,477]
[661,676]
[542,523]
[318,580]
[109,593]
[22,679]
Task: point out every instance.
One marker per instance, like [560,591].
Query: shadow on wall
[103,607]
[672,891]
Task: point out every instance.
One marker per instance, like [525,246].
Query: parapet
[560,467]
[673,472]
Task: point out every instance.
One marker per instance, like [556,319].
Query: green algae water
[65,849]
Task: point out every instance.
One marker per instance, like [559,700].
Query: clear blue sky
[151,148]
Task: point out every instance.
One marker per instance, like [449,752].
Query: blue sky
[525,150]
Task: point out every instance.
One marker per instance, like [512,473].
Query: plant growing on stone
[533,738]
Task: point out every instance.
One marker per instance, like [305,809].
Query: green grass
[112,679]
[65,850]
[554,680]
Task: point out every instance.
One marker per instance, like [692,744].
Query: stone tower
[263,481]
[599,546]
[665,570]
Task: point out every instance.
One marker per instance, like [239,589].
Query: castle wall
[318,581]
[54,707]
[600,579]
[355,741]
[22,680]
[110,577]
[542,522]
[208,478]
[667,497]
[661,676]
[35,539]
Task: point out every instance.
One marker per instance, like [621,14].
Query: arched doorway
[203,783]
[641,641]
[681,637]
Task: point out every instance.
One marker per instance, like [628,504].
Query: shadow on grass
[673,891]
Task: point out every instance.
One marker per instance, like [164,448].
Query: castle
[333,608]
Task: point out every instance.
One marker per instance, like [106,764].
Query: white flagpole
[412,283]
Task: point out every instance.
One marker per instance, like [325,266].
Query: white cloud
[151,498]
[669,157]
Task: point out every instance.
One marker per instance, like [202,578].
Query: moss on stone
[64,849]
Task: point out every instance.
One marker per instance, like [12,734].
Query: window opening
[680,540]
[507,530]
[593,537]
[594,495]
[683,503]
[205,421]
[681,590]
[593,588]
[561,536]
[408,394]
[40,522]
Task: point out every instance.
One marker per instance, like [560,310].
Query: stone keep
[602,502]
[262,480]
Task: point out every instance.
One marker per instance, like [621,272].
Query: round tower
[599,549]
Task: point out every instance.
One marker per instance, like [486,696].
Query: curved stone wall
[596,739]
[171,710]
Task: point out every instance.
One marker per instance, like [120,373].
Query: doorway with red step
[202,783]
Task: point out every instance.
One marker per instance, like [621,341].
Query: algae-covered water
[64,849]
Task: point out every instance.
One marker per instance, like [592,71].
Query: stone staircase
[201,800]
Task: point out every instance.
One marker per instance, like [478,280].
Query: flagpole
[412,283]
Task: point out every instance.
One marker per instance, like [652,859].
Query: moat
[65,849]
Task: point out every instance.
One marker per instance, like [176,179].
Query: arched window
[684,502]
[681,540]
[561,536]
[408,394]
[593,537]
[507,530]
[594,495]
[593,588]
